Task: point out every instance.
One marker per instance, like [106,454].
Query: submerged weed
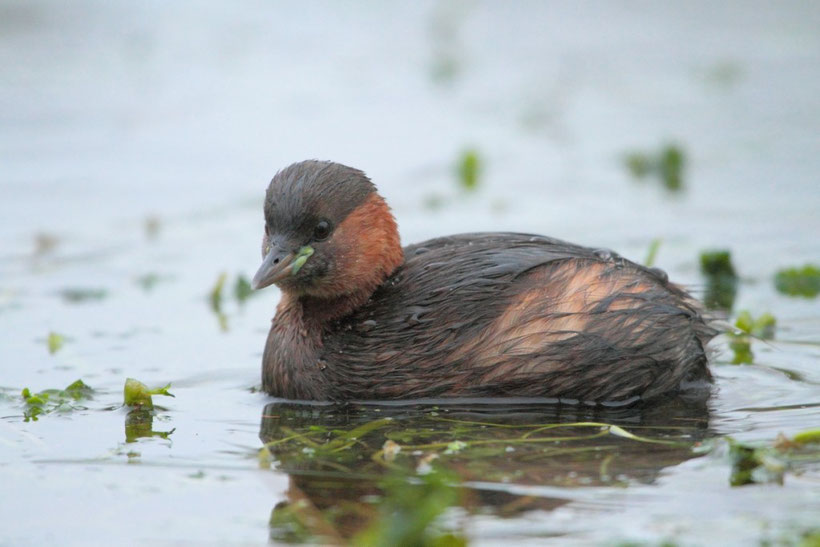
[410,509]
[368,478]
[756,463]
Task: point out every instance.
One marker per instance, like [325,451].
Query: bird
[477,315]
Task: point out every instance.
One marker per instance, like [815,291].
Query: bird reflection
[338,456]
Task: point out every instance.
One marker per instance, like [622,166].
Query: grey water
[136,141]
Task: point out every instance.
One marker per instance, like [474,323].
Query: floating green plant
[137,394]
[215,298]
[54,341]
[409,510]
[652,252]
[139,424]
[803,281]
[242,288]
[666,164]
[721,279]
[78,295]
[150,280]
[762,327]
[761,463]
[215,295]
[749,327]
[54,400]
[342,459]
[470,167]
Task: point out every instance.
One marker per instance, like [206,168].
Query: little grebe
[485,314]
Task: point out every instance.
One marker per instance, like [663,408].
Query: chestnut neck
[319,311]
[368,251]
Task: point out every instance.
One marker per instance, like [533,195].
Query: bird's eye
[321,231]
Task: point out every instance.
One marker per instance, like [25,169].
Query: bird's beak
[280,264]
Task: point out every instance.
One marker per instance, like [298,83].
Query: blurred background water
[136,141]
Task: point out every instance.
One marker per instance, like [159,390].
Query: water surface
[136,142]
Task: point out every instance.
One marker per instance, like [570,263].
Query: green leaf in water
[469,169]
[78,390]
[742,350]
[135,393]
[216,292]
[717,262]
[242,288]
[215,299]
[803,281]
[652,252]
[409,510]
[666,165]
[455,446]
[639,164]
[149,281]
[762,327]
[721,279]
[55,341]
[740,343]
[79,295]
[749,465]
[672,162]
[51,400]
[139,424]
[810,436]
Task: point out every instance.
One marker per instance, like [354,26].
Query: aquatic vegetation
[150,280]
[469,169]
[740,342]
[717,262]
[139,424]
[242,288]
[137,394]
[763,463]
[54,341]
[721,279]
[762,327]
[409,509]
[347,461]
[666,165]
[652,252]
[215,295]
[215,299]
[54,400]
[78,295]
[241,292]
[803,281]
